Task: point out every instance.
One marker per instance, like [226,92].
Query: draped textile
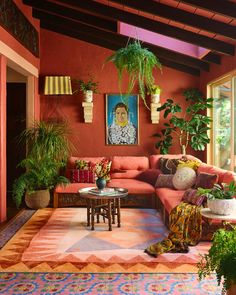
[185,230]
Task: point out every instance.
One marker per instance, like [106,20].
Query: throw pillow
[164,180]
[189,163]
[191,197]
[82,164]
[82,176]
[206,180]
[149,176]
[168,166]
[184,178]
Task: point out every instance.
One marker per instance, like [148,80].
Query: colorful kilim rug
[106,284]
[14,225]
[58,240]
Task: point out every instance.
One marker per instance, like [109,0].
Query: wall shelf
[88,111]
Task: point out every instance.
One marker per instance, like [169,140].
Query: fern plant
[138,63]
[40,175]
[221,258]
[190,127]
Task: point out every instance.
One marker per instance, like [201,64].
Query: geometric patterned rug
[58,240]
[106,284]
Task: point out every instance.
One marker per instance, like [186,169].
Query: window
[223,141]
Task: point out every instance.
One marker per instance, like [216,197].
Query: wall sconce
[57,85]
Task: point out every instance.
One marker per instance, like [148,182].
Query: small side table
[206,212]
[105,203]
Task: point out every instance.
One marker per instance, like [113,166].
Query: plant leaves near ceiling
[138,63]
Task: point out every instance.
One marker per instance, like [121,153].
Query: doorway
[16,123]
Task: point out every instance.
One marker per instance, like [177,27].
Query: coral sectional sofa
[139,175]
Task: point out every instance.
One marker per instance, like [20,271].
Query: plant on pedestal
[138,63]
[87,88]
[190,127]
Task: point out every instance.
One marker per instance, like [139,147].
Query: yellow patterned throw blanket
[185,230]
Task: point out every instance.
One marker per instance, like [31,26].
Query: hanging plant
[139,63]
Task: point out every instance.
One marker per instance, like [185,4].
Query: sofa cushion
[184,178]
[191,196]
[170,198]
[154,159]
[72,165]
[81,175]
[134,186]
[128,166]
[206,180]
[168,166]
[149,176]
[224,175]
[165,180]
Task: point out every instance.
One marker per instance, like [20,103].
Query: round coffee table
[206,212]
[105,203]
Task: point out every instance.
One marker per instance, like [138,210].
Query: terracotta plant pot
[38,199]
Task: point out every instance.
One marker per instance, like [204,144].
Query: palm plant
[139,63]
[190,127]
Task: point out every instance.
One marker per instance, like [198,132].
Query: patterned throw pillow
[191,197]
[189,163]
[206,180]
[164,180]
[82,164]
[82,176]
[168,166]
[184,178]
[149,176]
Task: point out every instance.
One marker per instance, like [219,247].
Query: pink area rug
[60,237]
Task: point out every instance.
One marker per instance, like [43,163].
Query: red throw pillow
[82,176]
[206,180]
[149,176]
[190,196]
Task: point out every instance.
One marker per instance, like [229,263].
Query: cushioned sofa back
[154,159]
[224,175]
[128,166]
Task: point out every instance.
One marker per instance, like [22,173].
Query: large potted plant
[190,126]
[221,258]
[48,148]
[138,63]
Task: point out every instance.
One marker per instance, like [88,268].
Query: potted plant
[48,148]
[155,92]
[220,200]
[138,63]
[88,88]
[221,258]
[190,127]
[40,176]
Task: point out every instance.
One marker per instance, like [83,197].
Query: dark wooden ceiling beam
[61,29]
[154,26]
[93,20]
[159,51]
[212,57]
[181,16]
[225,8]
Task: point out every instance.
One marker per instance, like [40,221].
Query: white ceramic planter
[222,207]
[88,96]
[155,98]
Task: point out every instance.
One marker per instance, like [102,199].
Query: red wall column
[3,190]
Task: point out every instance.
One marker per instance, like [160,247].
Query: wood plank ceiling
[209,24]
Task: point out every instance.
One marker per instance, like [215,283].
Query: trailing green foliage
[217,192]
[138,63]
[221,258]
[40,174]
[190,126]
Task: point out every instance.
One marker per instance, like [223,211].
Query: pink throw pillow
[82,176]
[165,180]
[191,197]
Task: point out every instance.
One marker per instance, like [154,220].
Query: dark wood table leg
[113,211]
[88,211]
[98,210]
[118,212]
[109,214]
[92,214]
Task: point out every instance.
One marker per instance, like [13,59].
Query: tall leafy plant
[189,126]
[138,63]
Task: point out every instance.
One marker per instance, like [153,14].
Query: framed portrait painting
[122,126]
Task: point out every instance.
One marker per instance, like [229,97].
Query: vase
[101,183]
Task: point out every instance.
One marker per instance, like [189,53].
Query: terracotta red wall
[61,55]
